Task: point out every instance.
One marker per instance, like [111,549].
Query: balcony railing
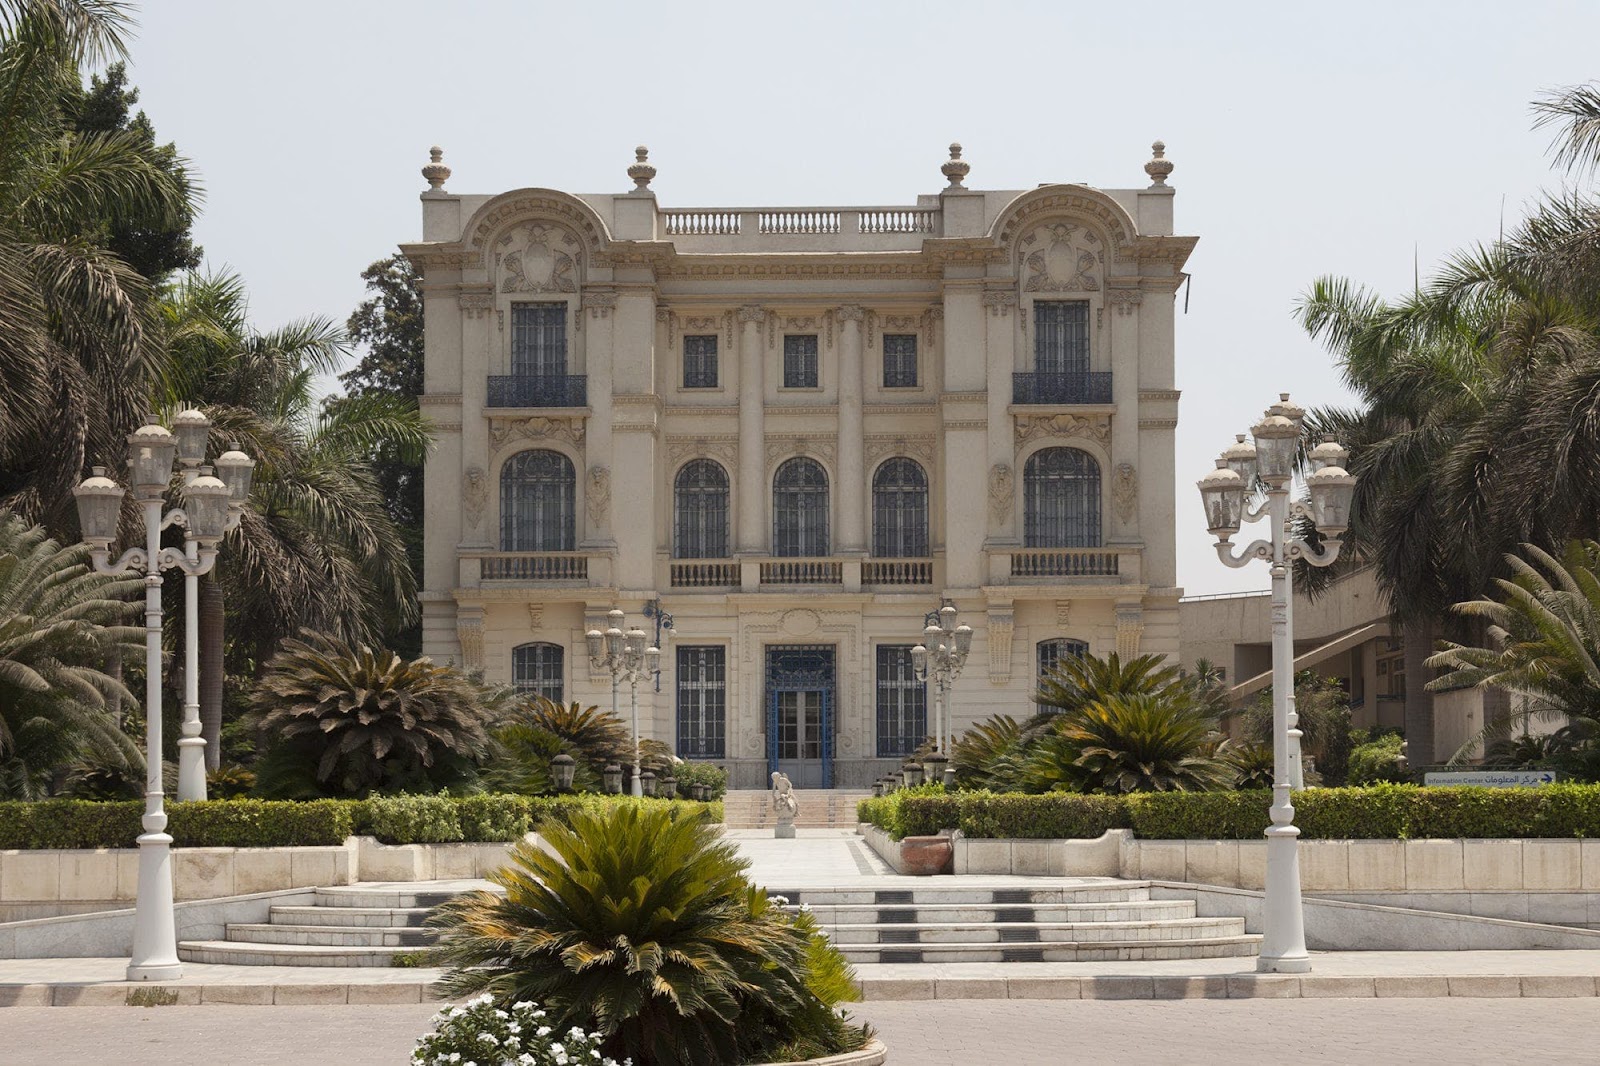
[892,227]
[897,572]
[544,390]
[535,566]
[1064,562]
[802,572]
[1052,388]
[704,573]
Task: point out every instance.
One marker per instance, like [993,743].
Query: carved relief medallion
[538,257]
[1061,257]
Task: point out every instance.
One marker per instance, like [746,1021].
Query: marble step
[958,913]
[229,953]
[359,897]
[1048,933]
[935,894]
[382,917]
[1105,951]
[358,936]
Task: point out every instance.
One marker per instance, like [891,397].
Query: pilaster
[751,488]
[852,476]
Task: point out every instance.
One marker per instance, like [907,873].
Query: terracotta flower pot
[874,1054]
[924,856]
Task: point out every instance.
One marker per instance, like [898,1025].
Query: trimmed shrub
[414,819]
[1378,761]
[491,818]
[701,773]
[1051,816]
[258,823]
[1199,815]
[70,824]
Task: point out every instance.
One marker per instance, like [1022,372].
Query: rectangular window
[536,669]
[900,360]
[902,703]
[702,702]
[800,362]
[1061,337]
[539,340]
[700,362]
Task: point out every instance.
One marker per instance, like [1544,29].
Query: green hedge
[286,823]
[1378,812]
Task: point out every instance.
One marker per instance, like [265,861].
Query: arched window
[900,510]
[700,511]
[1052,652]
[1062,499]
[536,669]
[800,509]
[536,503]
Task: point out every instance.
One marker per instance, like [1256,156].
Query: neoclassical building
[798,431]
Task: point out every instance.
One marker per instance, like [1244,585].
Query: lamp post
[940,657]
[624,656]
[663,621]
[1223,492]
[208,506]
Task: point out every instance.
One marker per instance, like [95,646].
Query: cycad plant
[643,925]
[1137,742]
[1543,637]
[988,755]
[343,720]
[536,729]
[60,623]
[1077,680]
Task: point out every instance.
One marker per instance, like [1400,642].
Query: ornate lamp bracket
[1259,549]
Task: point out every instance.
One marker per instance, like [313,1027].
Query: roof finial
[955,170]
[1159,166]
[641,172]
[436,172]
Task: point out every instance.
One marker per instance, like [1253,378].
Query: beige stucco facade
[959,273]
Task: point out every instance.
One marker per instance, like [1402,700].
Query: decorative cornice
[1159,395]
[1158,423]
[440,398]
[1092,427]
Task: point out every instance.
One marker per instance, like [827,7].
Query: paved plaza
[952,1033]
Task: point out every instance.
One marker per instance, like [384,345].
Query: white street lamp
[1223,492]
[940,657]
[208,507]
[626,657]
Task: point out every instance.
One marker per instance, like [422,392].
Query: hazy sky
[1308,138]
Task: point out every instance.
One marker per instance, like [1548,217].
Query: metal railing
[897,572]
[802,572]
[1064,562]
[535,566]
[545,390]
[708,573]
[1052,388]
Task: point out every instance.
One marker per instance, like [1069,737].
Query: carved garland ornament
[882,446]
[723,448]
[503,431]
[1125,491]
[474,496]
[1093,427]
[599,494]
[781,448]
[1002,492]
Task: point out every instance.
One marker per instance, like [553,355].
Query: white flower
[488,1038]
[544,1030]
[521,1004]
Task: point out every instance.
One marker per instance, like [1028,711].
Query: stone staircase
[344,926]
[820,808]
[1115,921]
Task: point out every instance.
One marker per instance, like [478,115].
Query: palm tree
[1129,742]
[1543,641]
[78,353]
[643,925]
[343,720]
[59,622]
[317,548]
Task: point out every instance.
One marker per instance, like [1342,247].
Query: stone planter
[925,856]
[874,1054]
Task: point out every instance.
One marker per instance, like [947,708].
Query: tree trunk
[211,668]
[1418,641]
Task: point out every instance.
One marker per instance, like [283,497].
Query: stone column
[852,538]
[751,487]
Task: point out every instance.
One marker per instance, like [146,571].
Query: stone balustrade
[709,229]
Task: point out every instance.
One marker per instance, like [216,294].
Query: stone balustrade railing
[754,222]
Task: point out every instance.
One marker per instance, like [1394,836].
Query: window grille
[536,503]
[800,362]
[902,703]
[1061,337]
[800,510]
[900,510]
[900,361]
[1061,499]
[539,340]
[536,669]
[1052,652]
[700,362]
[700,511]
[702,702]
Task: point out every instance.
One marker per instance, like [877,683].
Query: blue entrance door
[800,696]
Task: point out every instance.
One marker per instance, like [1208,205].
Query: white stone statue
[783,802]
